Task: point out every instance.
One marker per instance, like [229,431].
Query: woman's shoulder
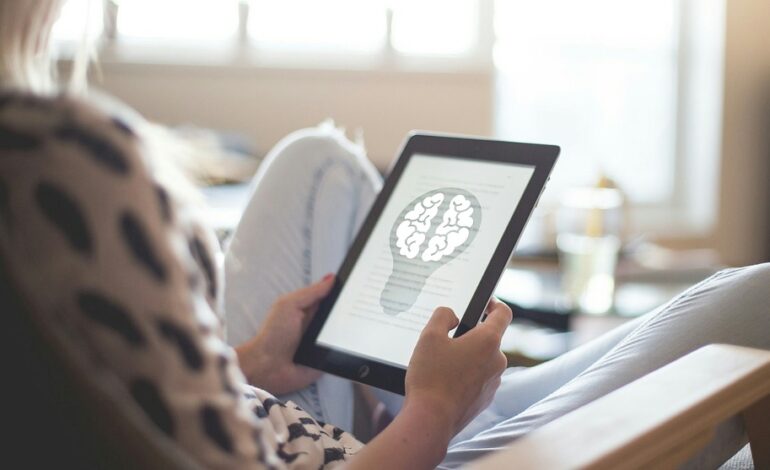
[78,152]
[64,141]
[96,108]
[32,123]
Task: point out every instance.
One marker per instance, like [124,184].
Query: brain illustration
[415,228]
[429,232]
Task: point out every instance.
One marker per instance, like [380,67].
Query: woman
[96,242]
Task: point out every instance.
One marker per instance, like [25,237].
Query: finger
[490,305]
[499,318]
[443,319]
[312,294]
[309,313]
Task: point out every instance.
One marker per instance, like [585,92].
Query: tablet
[440,233]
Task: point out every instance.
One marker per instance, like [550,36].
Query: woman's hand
[267,359]
[448,382]
[457,377]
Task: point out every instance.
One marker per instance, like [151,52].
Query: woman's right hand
[448,382]
[456,378]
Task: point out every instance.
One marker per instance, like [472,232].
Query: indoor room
[286,218]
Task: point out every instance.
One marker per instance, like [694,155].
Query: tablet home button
[363,371]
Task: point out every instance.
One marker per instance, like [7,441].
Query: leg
[308,198]
[521,388]
[731,307]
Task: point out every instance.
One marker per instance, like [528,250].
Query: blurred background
[664,102]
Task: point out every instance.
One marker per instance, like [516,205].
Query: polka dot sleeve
[97,245]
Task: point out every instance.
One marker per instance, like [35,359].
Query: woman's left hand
[267,359]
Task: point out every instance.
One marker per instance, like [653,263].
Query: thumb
[314,293]
[443,319]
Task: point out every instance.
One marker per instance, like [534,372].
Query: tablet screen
[429,248]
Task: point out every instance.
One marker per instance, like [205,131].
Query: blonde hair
[26,58]
[27,63]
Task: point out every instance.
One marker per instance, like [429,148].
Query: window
[599,79]
[78,18]
[425,28]
[188,21]
[629,89]
[315,26]
[435,28]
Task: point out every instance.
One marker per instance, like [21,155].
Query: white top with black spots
[98,245]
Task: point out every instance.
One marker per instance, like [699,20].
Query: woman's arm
[417,438]
[448,382]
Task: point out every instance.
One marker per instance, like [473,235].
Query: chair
[657,421]
[60,413]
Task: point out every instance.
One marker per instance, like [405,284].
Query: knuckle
[445,312]
[502,362]
[503,306]
[427,333]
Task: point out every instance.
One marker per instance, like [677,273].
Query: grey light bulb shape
[414,264]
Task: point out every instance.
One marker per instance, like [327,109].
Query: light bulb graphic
[430,232]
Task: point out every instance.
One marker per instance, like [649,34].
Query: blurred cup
[589,226]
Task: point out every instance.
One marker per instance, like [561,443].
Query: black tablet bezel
[386,376]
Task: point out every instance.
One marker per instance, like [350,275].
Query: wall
[266,104]
[743,227]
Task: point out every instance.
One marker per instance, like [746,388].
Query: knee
[760,271]
[324,145]
[755,277]
[746,286]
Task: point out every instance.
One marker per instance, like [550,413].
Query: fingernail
[327,277]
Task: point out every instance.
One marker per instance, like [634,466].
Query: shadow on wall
[266,104]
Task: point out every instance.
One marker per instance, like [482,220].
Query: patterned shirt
[103,251]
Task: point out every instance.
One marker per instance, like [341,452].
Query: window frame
[241,51]
[686,214]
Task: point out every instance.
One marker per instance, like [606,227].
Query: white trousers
[309,198]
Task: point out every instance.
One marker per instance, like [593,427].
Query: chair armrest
[657,421]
